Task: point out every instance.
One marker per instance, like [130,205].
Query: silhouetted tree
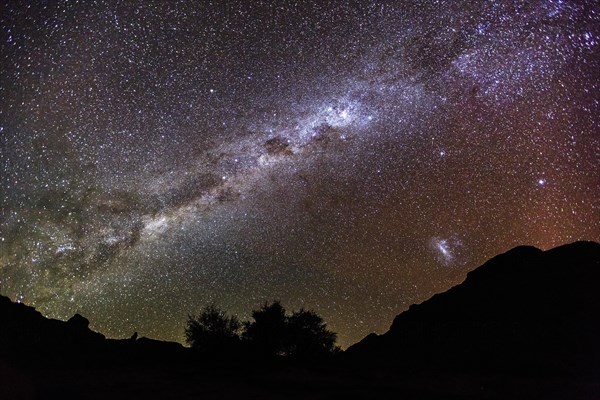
[307,336]
[212,330]
[301,335]
[266,332]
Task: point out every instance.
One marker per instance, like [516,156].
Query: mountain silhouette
[523,325]
[527,311]
[26,337]
[27,334]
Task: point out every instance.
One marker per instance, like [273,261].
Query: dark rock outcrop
[27,337]
[79,322]
[25,334]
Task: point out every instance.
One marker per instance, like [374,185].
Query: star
[161,156]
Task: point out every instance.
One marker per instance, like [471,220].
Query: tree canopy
[212,330]
[272,332]
[266,333]
[307,335]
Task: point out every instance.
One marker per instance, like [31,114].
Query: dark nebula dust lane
[347,157]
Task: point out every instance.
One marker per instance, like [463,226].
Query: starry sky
[351,157]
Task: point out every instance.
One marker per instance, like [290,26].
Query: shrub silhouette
[301,335]
[212,331]
[266,334]
[307,336]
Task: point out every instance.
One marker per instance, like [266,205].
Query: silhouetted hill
[26,336]
[524,311]
[523,325]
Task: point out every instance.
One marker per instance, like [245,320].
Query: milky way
[347,157]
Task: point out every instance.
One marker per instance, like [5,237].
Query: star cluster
[348,157]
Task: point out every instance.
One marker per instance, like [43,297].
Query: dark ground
[176,382]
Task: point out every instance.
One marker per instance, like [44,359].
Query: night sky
[348,157]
